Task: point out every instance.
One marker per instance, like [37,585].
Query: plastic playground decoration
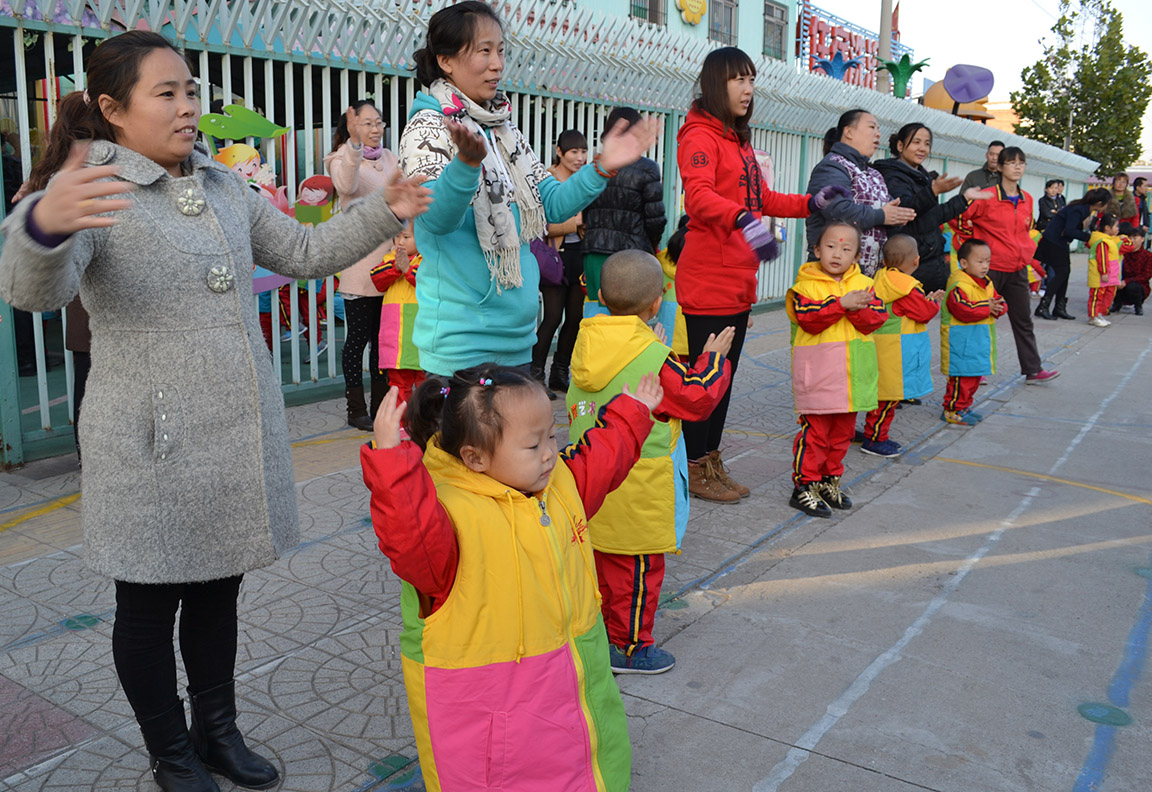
[692,11]
[963,92]
[837,68]
[902,71]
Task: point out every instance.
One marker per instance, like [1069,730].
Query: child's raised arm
[412,527]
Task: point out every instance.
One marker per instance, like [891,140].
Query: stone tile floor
[318,666]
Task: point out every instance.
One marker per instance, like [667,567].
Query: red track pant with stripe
[820,446]
[960,393]
[1100,300]
[878,421]
[630,588]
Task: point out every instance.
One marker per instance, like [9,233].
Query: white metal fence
[301,63]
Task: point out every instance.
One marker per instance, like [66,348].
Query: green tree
[1088,93]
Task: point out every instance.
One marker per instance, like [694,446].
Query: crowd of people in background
[531,573]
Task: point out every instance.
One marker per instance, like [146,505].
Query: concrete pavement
[960,629]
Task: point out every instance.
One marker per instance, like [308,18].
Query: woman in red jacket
[724,196]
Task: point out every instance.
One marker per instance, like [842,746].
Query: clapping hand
[622,144]
[386,427]
[721,342]
[998,305]
[945,183]
[976,194]
[69,204]
[935,296]
[470,147]
[661,333]
[648,392]
[407,198]
[857,299]
[895,214]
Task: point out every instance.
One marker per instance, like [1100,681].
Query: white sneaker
[1096,321]
[1106,322]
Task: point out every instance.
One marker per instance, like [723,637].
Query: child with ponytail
[504,651]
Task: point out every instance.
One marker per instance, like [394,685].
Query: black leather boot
[558,378]
[1061,311]
[1042,309]
[357,409]
[537,373]
[219,743]
[174,762]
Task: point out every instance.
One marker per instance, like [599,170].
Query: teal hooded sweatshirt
[463,319]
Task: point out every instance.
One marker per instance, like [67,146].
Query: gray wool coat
[187,468]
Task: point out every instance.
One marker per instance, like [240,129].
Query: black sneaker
[808,500]
[829,490]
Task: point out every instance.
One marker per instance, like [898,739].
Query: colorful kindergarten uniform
[647,516]
[967,338]
[504,651]
[1104,270]
[834,372]
[903,350]
[398,356]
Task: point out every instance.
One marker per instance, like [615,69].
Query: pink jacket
[356,177]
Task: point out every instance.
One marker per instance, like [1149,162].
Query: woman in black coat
[1065,227]
[628,215]
[919,189]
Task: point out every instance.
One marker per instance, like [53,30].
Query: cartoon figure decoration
[902,71]
[692,11]
[963,92]
[838,67]
[238,124]
[247,162]
[316,200]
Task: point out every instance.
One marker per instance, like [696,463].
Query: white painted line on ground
[840,706]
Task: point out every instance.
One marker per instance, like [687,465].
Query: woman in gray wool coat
[187,472]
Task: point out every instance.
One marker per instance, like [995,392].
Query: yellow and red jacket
[398,311]
[967,331]
[503,649]
[903,349]
[1104,260]
[833,355]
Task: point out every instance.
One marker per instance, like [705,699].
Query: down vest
[629,214]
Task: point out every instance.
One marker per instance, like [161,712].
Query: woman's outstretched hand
[386,427]
[649,391]
[622,144]
[69,205]
[895,214]
[945,183]
[353,127]
[470,147]
[407,198]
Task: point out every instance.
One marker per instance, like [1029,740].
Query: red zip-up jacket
[1004,225]
[716,273]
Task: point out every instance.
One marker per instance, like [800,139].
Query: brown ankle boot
[729,482]
[704,482]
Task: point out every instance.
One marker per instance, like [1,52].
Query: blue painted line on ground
[1092,773]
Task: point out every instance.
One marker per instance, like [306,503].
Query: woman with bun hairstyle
[919,189]
[479,281]
[359,164]
[724,197]
[864,200]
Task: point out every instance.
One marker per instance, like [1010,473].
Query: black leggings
[362,321]
[561,302]
[1056,261]
[142,639]
[703,437]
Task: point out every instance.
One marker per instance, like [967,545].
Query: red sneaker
[1040,377]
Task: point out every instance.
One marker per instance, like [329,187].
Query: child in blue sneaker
[967,332]
[903,351]
[646,517]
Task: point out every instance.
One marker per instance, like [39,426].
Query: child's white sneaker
[1097,321]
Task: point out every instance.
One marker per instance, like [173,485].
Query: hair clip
[86,99]
[444,391]
[485,381]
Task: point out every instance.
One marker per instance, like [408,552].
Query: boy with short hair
[903,351]
[646,517]
[968,332]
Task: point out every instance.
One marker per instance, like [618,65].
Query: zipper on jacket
[545,520]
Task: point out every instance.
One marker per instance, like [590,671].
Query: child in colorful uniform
[903,351]
[967,332]
[395,276]
[1106,249]
[504,652]
[834,312]
[647,516]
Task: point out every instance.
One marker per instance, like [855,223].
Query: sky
[1001,35]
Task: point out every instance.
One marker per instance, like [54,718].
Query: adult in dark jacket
[988,174]
[628,215]
[1050,203]
[918,189]
[848,147]
[1065,227]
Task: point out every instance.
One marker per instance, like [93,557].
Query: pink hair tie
[445,391]
[485,381]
